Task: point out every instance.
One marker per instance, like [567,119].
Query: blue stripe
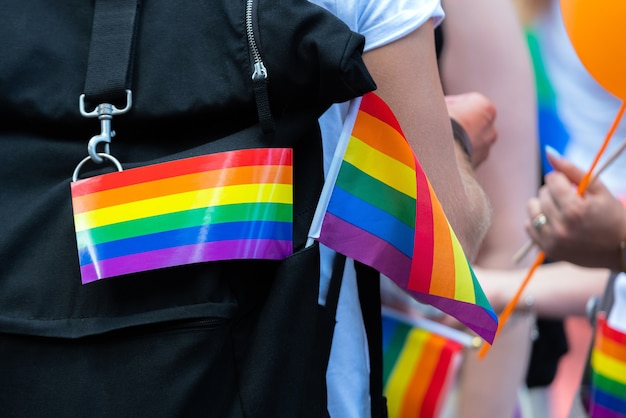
[389,327]
[187,236]
[609,401]
[372,219]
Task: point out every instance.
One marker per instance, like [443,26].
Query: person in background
[482,48]
[588,230]
[574,115]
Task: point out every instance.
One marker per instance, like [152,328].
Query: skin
[585,230]
[477,115]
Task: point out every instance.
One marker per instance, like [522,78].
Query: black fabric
[439,40]
[111,52]
[224,339]
[368,281]
[547,350]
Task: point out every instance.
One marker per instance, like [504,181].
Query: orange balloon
[597,30]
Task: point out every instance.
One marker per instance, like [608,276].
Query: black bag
[232,338]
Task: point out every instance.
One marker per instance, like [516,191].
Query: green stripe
[394,350]
[545,92]
[479,295]
[191,218]
[611,386]
[377,193]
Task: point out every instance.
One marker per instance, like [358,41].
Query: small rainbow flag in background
[229,205]
[419,365]
[608,372]
[378,207]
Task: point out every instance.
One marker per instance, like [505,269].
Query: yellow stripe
[383,137]
[276,193]
[402,373]
[381,166]
[609,367]
[464,288]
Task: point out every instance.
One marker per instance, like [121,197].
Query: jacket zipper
[259,71]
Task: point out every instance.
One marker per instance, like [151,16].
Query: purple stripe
[599,411]
[362,246]
[188,254]
[475,317]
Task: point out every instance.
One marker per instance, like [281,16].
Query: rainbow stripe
[418,369]
[608,373]
[552,131]
[229,205]
[372,213]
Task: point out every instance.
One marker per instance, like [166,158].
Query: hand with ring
[586,230]
[539,221]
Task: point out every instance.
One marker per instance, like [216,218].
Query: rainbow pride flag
[552,130]
[378,207]
[608,372]
[229,205]
[419,367]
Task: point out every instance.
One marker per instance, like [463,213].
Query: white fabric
[381,22]
[617,316]
[588,111]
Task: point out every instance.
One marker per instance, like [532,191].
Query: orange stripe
[182,184]
[384,138]
[442,281]
[611,348]
[418,385]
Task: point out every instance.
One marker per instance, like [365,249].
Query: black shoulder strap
[110,62]
[111,57]
[368,281]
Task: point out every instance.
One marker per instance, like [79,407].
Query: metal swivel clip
[104,112]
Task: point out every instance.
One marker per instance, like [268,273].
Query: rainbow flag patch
[229,205]
[608,372]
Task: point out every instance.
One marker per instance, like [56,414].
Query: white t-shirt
[587,111]
[381,22]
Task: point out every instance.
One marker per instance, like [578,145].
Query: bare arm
[407,77]
[485,51]
[557,290]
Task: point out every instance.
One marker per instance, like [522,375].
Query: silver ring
[539,221]
[105,156]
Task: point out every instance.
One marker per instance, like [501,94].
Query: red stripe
[239,158]
[423,250]
[375,106]
[610,333]
[438,380]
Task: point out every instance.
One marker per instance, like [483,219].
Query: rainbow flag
[552,130]
[608,372]
[229,205]
[419,367]
[370,211]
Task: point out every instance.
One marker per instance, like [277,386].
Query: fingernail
[552,152]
